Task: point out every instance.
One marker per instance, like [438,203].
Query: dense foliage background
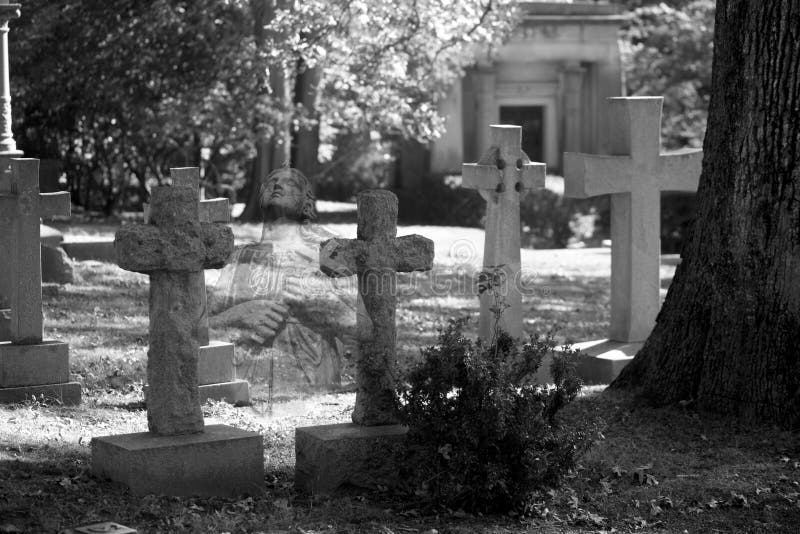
[119,91]
[113,93]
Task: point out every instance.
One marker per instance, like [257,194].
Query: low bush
[483,435]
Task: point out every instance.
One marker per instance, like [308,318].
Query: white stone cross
[20,210]
[502,176]
[634,174]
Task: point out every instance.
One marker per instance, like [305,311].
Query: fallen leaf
[739,501]
[655,509]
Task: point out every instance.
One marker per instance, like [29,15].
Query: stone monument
[634,173]
[178,456]
[8,150]
[502,176]
[29,364]
[216,373]
[358,453]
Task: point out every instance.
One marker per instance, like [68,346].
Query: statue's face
[285,190]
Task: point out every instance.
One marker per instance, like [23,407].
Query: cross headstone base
[221,461]
[216,375]
[331,458]
[106,526]
[600,362]
[34,370]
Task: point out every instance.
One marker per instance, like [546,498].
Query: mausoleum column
[486,106]
[573,83]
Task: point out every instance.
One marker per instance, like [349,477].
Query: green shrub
[483,435]
[440,203]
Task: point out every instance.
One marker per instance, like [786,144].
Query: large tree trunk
[306,152]
[728,335]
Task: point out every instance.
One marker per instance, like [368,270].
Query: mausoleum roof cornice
[572,9]
[571,19]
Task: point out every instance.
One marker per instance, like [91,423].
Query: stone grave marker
[8,150]
[179,455]
[216,372]
[503,176]
[634,173]
[358,453]
[30,364]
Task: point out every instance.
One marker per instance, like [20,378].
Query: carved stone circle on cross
[502,176]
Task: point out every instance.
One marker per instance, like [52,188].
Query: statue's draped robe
[317,332]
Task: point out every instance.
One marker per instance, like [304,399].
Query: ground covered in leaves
[651,470]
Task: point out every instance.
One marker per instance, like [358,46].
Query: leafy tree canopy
[668,52]
[132,87]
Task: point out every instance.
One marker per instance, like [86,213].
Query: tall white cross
[502,176]
[634,174]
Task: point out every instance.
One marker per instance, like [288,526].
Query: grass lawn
[653,470]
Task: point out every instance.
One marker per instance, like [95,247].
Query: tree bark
[728,335]
[306,140]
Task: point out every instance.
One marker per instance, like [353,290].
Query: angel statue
[293,325]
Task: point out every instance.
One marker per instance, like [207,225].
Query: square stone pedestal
[5,324]
[236,392]
[600,363]
[222,461]
[215,363]
[329,458]
[216,375]
[36,369]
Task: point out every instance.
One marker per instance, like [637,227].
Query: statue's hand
[261,319]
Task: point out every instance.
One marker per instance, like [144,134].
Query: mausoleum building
[552,78]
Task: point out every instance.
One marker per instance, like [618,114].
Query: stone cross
[502,176]
[634,174]
[210,211]
[376,256]
[174,249]
[20,210]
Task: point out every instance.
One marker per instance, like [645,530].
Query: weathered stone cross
[173,249]
[20,210]
[214,210]
[634,174]
[502,176]
[376,255]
